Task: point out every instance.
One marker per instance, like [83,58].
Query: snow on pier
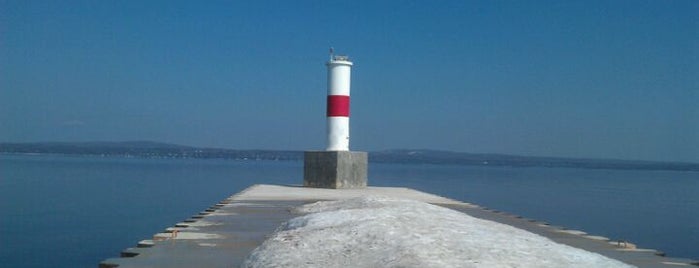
[287,226]
[387,232]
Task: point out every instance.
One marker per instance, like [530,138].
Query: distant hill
[148,149]
[98,144]
[456,158]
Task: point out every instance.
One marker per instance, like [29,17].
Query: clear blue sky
[601,79]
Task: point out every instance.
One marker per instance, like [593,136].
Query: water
[60,211]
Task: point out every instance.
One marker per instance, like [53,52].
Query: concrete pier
[225,233]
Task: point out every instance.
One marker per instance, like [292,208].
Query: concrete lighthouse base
[335,169]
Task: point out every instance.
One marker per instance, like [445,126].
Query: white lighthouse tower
[339,69]
[336,167]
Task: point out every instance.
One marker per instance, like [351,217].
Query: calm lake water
[65,211]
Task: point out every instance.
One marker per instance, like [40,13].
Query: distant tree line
[147,149]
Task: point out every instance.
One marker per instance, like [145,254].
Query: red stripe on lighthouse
[338,105]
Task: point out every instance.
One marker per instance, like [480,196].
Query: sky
[590,79]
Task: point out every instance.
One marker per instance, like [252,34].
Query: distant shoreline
[146,149]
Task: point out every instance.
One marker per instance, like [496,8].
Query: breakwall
[225,233]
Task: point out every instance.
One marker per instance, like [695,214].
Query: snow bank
[384,232]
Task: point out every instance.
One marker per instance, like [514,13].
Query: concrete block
[335,169]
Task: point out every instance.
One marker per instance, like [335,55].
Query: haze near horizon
[582,79]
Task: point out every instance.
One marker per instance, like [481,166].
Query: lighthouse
[339,73]
[337,167]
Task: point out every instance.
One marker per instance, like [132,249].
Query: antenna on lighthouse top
[332,52]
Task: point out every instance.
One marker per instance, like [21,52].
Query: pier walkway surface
[226,233]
